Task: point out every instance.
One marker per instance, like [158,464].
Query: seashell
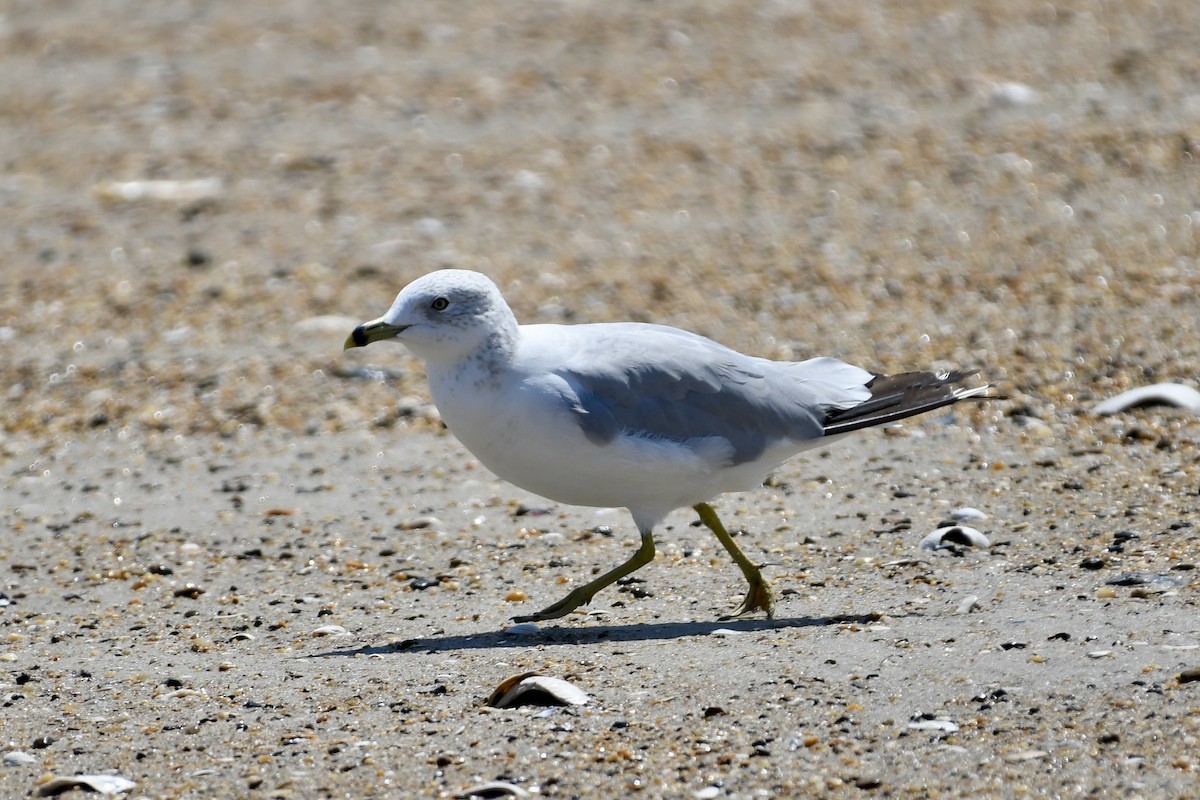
[522,629]
[417,523]
[1159,394]
[103,784]
[16,758]
[968,604]
[189,191]
[952,535]
[493,789]
[330,630]
[935,724]
[1011,94]
[966,513]
[1152,582]
[529,688]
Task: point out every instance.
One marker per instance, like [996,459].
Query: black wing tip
[903,395]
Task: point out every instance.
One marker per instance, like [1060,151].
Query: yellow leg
[585,593]
[759,594]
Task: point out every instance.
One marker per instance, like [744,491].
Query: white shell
[955,534]
[104,784]
[530,689]
[967,513]
[15,758]
[933,725]
[187,191]
[1160,394]
[330,630]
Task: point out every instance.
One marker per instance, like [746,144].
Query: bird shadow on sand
[562,635]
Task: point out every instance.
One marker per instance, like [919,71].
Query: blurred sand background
[197,480]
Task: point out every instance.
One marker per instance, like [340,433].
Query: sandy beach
[238,562]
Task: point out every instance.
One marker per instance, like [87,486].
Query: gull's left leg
[759,594]
[585,593]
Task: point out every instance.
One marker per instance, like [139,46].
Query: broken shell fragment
[1159,394]
[492,789]
[952,535]
[330,630]
[185,191]
[967,513]
[968,604]
[531,689]
[104,784]
[418,523]
[925,723]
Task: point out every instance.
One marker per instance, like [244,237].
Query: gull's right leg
[758,596]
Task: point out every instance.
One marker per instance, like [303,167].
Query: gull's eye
[440,304]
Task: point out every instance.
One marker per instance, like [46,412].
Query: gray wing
[660,382]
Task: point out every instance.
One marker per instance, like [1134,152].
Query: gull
[632,415]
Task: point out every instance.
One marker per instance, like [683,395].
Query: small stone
[421,584]
[1190,675]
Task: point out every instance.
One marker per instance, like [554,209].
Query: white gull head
[446,317]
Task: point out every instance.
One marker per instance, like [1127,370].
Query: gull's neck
[495,350]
